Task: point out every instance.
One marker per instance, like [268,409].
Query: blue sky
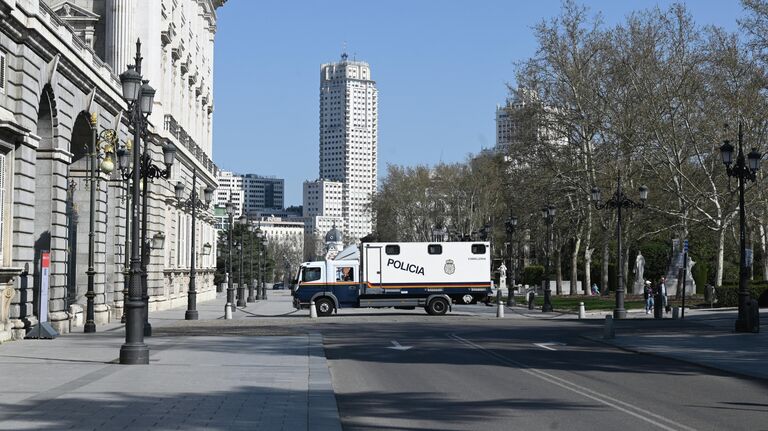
[440,67]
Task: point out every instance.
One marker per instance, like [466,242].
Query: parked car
[278,286]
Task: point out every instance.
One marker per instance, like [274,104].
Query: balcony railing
[185,140]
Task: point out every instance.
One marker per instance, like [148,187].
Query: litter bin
[531,299]
[658,303]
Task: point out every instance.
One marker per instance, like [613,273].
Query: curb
[322,411]
[637,350]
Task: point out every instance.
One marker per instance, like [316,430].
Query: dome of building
[333,235]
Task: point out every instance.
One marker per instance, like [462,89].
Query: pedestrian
[595,289]
[648,296]
[663,291]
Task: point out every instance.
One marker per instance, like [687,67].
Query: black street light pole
[257,280]
[135,351]
[618,201]
[511,224]
[124,163]
[264,270]
[744,172]
[107,142]
[243,222]
[251,281]
[548,212]
[193,204]
[230,306]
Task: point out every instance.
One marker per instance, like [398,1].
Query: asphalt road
[398,371]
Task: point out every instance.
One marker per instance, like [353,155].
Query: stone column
[121,39]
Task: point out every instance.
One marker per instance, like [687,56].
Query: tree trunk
[763,248]
[588,255]
[720,257]
[625,268]
[606,258]
[575,262]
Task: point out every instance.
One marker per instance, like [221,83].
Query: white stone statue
[639,273]
[502,276]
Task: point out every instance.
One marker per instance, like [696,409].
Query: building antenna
[344,51]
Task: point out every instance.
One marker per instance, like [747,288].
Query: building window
[3,211]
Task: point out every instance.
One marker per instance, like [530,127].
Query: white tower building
[349,139]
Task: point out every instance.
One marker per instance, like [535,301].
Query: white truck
[433,275]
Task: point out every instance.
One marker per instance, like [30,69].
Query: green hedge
[728,294]
[533,275]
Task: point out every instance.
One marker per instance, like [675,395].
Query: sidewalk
[201,376]
[704,337]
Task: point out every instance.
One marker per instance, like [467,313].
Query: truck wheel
[437,307]
[324,306]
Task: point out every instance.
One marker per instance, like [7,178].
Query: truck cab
[330,284]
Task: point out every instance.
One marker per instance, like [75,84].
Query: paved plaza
[209,379]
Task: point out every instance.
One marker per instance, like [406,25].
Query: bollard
[499,305]
[608,330]
[582,311]
[312,310]
[531,299]
[228,311]
[675,312]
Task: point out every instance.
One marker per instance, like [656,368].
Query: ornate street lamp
[548,213]
[230,305]
[743,172]
[243,222]
[618,201]
[124,164]
[252,229]
[106,143]
[193,204]
[264,267]
[134,350]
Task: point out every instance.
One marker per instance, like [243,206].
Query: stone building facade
[59,67]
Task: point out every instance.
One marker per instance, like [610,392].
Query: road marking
[549,345]
[609,401]
[396,346]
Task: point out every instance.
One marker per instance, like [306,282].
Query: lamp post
[140,99]
[264,268]
[107,142]
[743,171]
[618,201]
[230,305]
[243,222]
[251,282]
[193,204]
[510,224]
[257,278]
[548,213]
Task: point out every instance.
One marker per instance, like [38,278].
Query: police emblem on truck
[405,266]
[449,267]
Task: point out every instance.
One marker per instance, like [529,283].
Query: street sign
[685,246]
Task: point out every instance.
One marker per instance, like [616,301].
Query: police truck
[403,275]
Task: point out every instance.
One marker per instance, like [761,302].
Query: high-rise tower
[349,139]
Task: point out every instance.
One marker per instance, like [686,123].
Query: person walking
[648,296]
[663,290]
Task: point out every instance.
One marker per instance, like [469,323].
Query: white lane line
[549,345]
[397,346]
[607,400]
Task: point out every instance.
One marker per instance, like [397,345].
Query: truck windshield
[310,274]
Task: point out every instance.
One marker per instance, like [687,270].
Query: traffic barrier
[608,330]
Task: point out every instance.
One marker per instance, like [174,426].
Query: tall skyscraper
[349,139]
